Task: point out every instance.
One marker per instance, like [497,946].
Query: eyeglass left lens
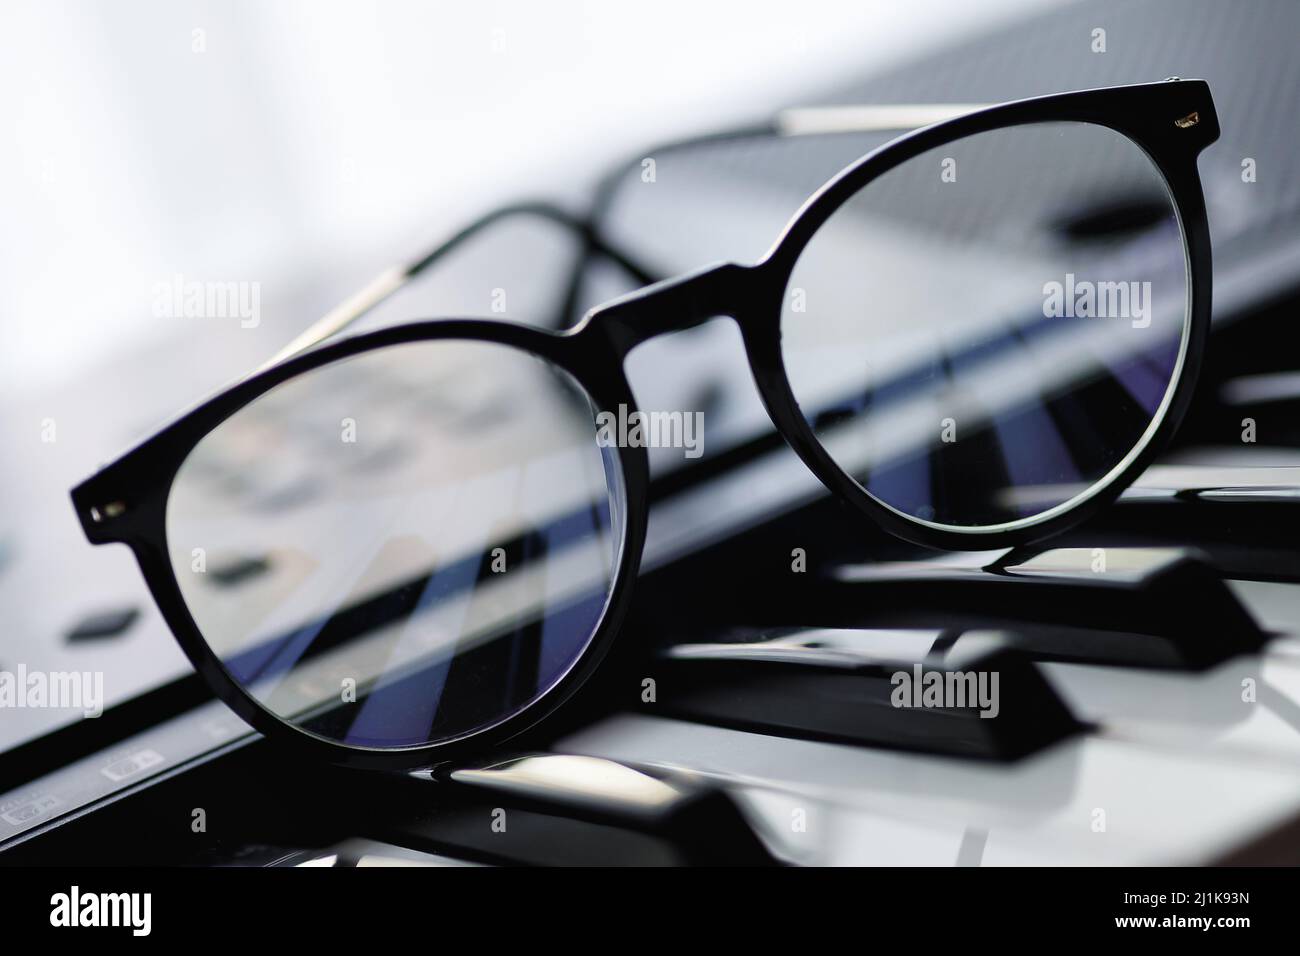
[402,547]
[987,333]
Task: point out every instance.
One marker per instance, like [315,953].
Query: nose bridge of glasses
[672,305]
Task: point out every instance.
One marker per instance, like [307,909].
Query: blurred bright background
[305,146]
[300,148]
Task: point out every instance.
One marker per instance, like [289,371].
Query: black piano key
[997,705]
[1092,440]
[529,839]
[238,571]
[1142,607]
[351,854]
[102,624]
[588,810]
[1243,521]
[1267,401]
[1019,445]
[962,472]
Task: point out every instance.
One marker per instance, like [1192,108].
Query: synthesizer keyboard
[746,717]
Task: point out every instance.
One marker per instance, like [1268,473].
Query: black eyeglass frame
[1171,121]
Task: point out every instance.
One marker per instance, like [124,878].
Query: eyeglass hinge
[113,509]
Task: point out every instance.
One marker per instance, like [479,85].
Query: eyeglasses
[405,544]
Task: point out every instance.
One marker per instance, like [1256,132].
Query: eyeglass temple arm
[394,278]
[877,118]
[801,121]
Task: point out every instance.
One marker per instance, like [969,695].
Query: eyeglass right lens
[986,332]
[401,547]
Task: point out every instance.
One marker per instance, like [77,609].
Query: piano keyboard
[1148,662]
[1158,716]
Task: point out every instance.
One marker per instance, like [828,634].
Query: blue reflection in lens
[979,349]
[411,598]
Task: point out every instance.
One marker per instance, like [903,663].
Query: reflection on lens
[401,547]
[987,331]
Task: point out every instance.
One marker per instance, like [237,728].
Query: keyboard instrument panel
[1146,707]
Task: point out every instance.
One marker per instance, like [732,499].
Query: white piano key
[1274,604]
[1157,806]
[815,833]
[1246,707]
